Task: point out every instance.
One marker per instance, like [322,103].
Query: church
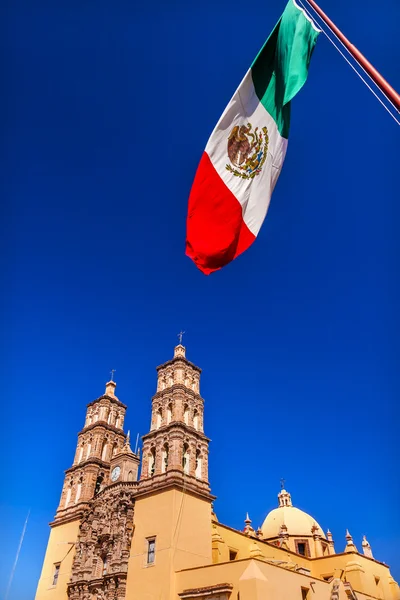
[131,527]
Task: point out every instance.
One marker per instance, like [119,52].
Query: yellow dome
[298,523]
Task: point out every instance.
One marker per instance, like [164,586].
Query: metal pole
[380,81]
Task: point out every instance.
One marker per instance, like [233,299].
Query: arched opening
[118,421]
[130,476]
[99,482]
[105,565]
[115,448]
[104,450]
[79,490]
[186,459]
[169,413]
[158,418]
[152,462]
[198,464]
[69,492]
[89,448]
[196,420]
[186,414]
[81,453]
[164,464]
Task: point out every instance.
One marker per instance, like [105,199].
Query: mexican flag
[244,155]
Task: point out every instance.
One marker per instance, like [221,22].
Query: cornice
[178,386]
[85,463]
[179,359]
[176,426]
[112,399]
[177,480]
[104,425]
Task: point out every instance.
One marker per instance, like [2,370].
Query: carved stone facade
[101,438]
[100,565]
[176,448]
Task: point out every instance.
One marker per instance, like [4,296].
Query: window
[232,554]
[305,593]
[151,550]
[56,572]
[105,565]
[327,577]
[377,580]
[302,547]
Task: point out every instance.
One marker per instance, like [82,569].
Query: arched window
[117,421]
[186,459]
[130,476]
[115,448]
[196,419]
[158,418]
[89,418]
[198,464]
[169,413]
[152,462]
[186,414]
[164,464]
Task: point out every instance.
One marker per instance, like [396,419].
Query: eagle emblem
[247,150]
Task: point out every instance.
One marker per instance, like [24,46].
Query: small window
[151,551]
[302,547]
[377,580]
[305,593]
[56,573]
[232,554]
[327,577]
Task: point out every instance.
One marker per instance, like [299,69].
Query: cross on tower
[283,484]
[180,336]
[112,374]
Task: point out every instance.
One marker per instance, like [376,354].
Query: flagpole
[380,81]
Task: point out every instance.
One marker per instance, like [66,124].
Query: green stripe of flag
[280,69]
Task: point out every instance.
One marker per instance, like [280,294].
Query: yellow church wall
[371,578]
[253,579]
[180,524]
[363,580]
[60,549]
[241,543]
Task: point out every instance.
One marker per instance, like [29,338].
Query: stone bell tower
[176,449]
[99,441]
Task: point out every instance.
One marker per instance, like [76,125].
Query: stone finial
[259,533]
[215,536]
[179,351]
[284,498]
[248,529]
[350,546]
[126,448]
[367,547]
[283,537]
[331,543]
[315,530]
[110,388]
[255,550]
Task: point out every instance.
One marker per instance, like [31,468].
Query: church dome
[297,522]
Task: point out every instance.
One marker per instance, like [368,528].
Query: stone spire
[367,548]
[248,529]
[331,543]
[284,498]
[350,545]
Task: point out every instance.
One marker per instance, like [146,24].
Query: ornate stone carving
[100,564]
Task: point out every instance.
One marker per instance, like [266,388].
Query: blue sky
[106,108]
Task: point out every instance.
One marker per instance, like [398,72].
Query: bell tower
[99,441]
[175,451]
